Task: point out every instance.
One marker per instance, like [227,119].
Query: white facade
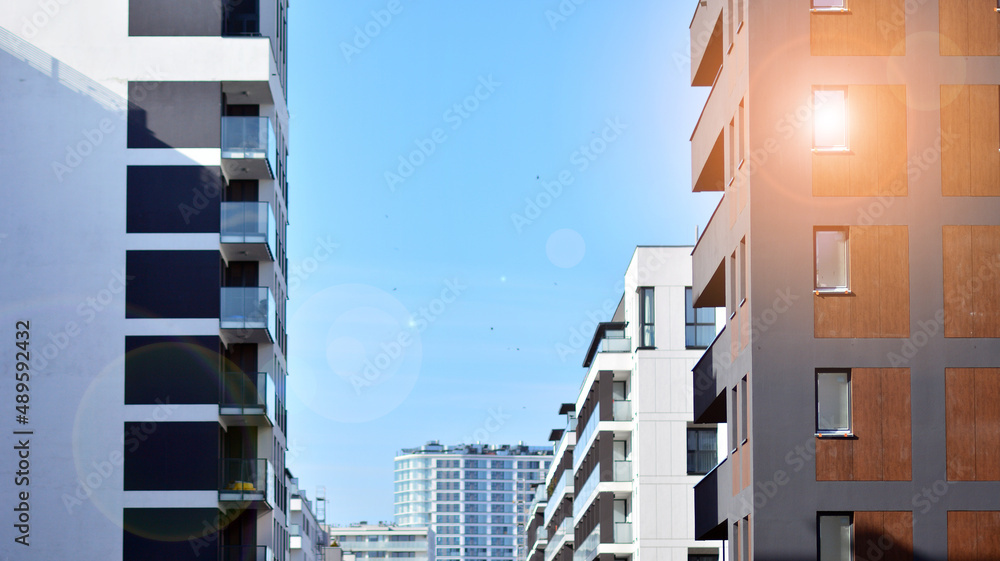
[379,541]
[307,538]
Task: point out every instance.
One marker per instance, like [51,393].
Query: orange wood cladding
[970,140]
[886,536]
[972,427]
[971,281]
[969,28]
[879,303]
[881,449]
[870,28]
[876,162]
[973,535]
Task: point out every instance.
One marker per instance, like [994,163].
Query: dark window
[647,336]
[172,370]
[171,456]
[702,557]
[699,323]
[172,199]
[172,284]
[702,449]
[174,114]
[182,534]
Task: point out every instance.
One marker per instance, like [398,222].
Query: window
[829,5]
[835,537]
[745,540]
[646,318]
[733,412]
[702,449]
[743,271]
[833,402]
[702,557]
[743,409]
[830,119]
[733,304]
[832,260]
[699,323]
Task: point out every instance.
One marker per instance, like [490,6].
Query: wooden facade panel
[898,529]
[988,528]
[987,398]
[959,301]
[984,138]
[981,23]
[953,15]
[962,530]
[834,459]
[894,296]
[865,281]
[746,462]
[862,28]
[891,130]
[832,316]
[831,175]
[827,33]
[960,423]
[955,163]
[985,281]
[867,411]
[869,527]
[896,425]
[870,29]
[863,161]
[891,27]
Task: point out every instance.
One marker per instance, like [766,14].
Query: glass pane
[706,315]
[831,259]
[706,333]
[835,538]
[830,118]
[691,336]
[833,397]
[707,440]
[829,4]
[647,305]
[647,336]
[688,307]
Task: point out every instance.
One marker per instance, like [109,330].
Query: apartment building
[144,257]
[472,496]
[628,456]
[856,146]
[307,536]
[382,541]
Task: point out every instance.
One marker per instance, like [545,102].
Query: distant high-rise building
[144,278]
[473,497]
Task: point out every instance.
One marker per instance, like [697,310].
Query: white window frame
[837,148]
[843,8]
[819,535]
[845,287]
[835,431]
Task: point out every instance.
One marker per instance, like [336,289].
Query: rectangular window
[830,119]
[833,402]
[733,412]
[835,537]
[646,318]
[832,259]
[702,557]
[829,5]
[745,540]
[702,450]
[733,303]
[743,409]
[743,271]
[699,323]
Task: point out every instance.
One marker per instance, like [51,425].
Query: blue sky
[468,181]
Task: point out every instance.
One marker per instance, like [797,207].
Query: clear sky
[467,183]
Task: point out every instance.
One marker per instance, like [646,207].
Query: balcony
[245,553]
[583,494]
[248,232]
[622,470]
[707,525]
[623,532]
[608,338]
[246,481]
[247,399]
[248,315]
[587,549]
[709,397]
[708,260]
[708,146]
[706,42]
[621,410]
[294,537]
[584,438]
[249,150]
[564,485]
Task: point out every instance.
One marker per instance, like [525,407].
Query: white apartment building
[472,496]
[382,541]
[621,485]
[307,537]
[143,250]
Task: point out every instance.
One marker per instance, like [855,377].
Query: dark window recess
[166,456]
[172,370]
[240,17]
[242,273]
[702,450]
[242,190]
[174,114]
[170,534]
[173,199]
[236,110]
[172,284]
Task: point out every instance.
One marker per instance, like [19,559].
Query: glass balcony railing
[556,497]
[623,532]
[613,344]
[246,480]
[622,470]
[622,410]
[584,436]
[587,549]
[251,141]
[245,553]
[247,231]
[241,396]
[584,492]
[250,312]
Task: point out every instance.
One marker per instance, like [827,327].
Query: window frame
[834,433]
[844,148]
[846,289]
[698,430]
[819,533]
[844,8]
[689,307]
[744,409]
[645,322]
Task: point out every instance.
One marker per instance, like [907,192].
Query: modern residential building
[856,146]
[144,261]
[472,496]
[621,484]
[307,535]
[383,541]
